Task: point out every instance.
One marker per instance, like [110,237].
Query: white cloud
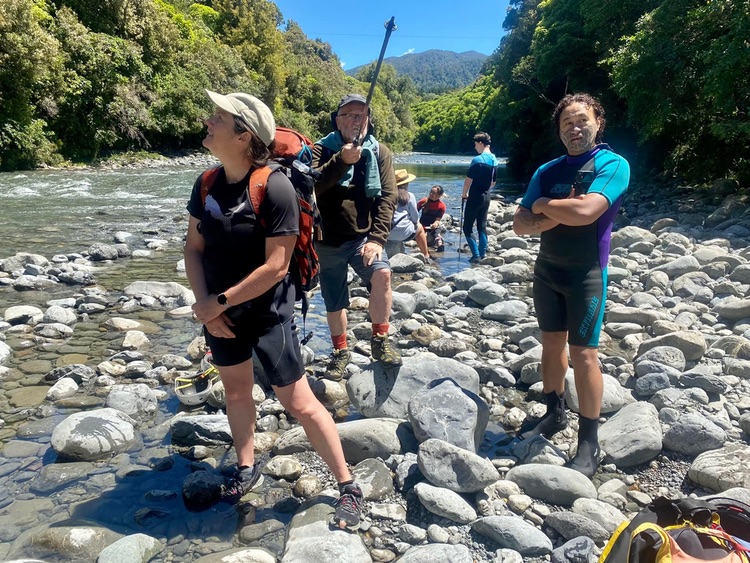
[408,52]
[343,64]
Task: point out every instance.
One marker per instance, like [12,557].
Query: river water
[53,212]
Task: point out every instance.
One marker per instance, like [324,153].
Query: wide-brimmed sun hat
[403,177]
[254,113]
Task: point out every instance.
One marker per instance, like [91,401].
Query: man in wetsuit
[476,193]
[572,201]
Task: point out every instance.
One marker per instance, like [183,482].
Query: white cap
[254,113]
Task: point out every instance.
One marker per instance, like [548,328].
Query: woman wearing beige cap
[237,261]
[405,224]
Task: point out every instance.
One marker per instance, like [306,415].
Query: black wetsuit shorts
[572,300]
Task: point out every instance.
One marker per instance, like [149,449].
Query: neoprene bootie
[586,459]
[554,420]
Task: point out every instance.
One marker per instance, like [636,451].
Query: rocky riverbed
[97,451]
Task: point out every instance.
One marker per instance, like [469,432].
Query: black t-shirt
[235,239]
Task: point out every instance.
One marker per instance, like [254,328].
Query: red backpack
[292,155]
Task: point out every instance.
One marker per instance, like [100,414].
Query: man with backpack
[356,196]
[237,258]
[573,201]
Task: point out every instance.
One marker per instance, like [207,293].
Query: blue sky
[355,30]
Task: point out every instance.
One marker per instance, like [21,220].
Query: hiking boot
[244,480]
[383,351]
[348,508]
[474,260]
[440,248]
[337,364]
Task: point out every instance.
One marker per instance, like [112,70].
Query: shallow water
[64,212]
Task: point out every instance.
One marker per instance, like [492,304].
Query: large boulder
[378,392]
[632,436]
[95,434]
[443,410]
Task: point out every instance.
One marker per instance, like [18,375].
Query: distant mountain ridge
[436,70]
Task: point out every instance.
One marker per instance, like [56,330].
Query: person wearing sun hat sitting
[405,225]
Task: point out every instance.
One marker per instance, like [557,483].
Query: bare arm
[575,211]
[194,247]
[278,254]
[467,185]
[527,223]
[216,323]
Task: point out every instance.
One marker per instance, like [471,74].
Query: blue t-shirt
[583,246]
[482,173]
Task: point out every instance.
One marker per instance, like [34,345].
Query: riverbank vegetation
[79,78]
[673,75]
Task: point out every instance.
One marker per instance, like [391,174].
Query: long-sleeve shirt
[405,220]
[346,212]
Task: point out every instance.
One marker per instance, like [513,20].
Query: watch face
[222,299]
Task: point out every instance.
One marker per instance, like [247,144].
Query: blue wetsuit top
[584,246]
[482,172]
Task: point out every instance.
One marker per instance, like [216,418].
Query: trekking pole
[461,227]
[390,26]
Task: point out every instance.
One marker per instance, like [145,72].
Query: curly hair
[587,100]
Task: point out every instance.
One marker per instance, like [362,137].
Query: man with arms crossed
[572,201]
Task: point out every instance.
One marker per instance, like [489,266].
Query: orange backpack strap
[208,179]
[257,188]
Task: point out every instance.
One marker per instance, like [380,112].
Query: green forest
[436,71]
[80,79]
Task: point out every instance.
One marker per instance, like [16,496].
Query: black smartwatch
[222,299]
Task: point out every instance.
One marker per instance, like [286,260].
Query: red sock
[339,341]
[380,328]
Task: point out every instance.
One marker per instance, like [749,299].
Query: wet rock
[207,430]
[86,436]
[374,478]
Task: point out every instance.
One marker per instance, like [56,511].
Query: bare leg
[337,322]
[554,361]
[380,297]
[320,428]
[421,238]
[238,384]
[589,382]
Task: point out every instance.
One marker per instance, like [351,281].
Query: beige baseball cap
[254,113]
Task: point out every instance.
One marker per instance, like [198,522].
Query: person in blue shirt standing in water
[476,194]
[572,201]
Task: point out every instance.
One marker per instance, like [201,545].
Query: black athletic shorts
[271,334]
[570,300]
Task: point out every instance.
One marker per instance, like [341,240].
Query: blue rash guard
[570,275]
